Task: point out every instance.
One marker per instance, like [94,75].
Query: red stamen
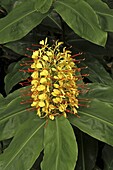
[27,55]
[29,49]
[37,45]
[74,60]
[76,54]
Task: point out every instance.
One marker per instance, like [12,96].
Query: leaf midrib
[58,143]
[17,20]
[84,113]
[79,15]
[12,115]
[24,145]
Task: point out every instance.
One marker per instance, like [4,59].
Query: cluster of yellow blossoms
[54,89]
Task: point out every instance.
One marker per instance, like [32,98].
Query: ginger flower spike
[54,81]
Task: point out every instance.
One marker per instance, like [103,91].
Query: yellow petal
[65,115]
[42,96]
[56,91]
[44,73]
[53,69]
[41,42]
[38,65]
[62,108]
[34,74]
[45,58]
[75,111]
[55,77]
[60,76]
[56,85]
[57,100]
[41,88]
[43,80]
[34,83]
[49,53]
[41,104]
[34,103]
[51,106]
[33,65]
[51,117]
[38,112]
[35,54]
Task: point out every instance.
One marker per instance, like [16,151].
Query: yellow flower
[35,54]
[56,85]
[45,58]
[34,103]
[62,107]
[57,100]
[42,96]
[43,80]
[41,88]
[54,82]
[55,92]
[51,117]
[41,103]
[34,74]
[44,73]
[38,65]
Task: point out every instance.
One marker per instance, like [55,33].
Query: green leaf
[97,119]
[54,20]
[25,147]
[82,19]
[96,71]
[20,21]
[60,147]
[15,75]
[107,155]
[10,4]
[87,149]
[43,6]
[13,114]
[2,103]
[105,14]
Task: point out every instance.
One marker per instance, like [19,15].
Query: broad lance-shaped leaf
[107,156]
[2,103]
[105,14]
[97,119]
[13,114]
[60,147]
[43,6]
[25,147]
[82,19]
[19,22]
[96,71]
[8,5]
[15,76]
[87,149]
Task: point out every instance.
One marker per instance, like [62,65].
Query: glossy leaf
[43,6]
[97,119]
[54,21]
[15,75]
[2,103]
[19,22]
[105,14]
[87,149]
[96,71]
[8,5]
[25,147]
[107,156]
[82,19]
[13,114]
[60,147]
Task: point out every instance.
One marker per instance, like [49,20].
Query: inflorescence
[54,81]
